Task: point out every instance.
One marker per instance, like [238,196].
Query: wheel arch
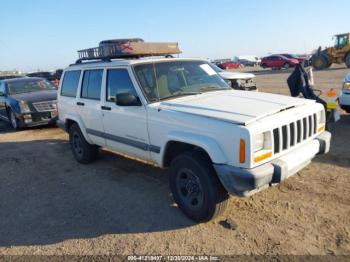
[180,142]
[70,120]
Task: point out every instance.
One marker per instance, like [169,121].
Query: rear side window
[92,81]
[118,81]
[70,83]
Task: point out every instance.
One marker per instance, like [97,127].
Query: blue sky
[45,34]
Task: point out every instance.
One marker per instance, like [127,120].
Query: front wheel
[196,188]
[13,120]
[347,60]
[286,66]
[83,152]
[320,62]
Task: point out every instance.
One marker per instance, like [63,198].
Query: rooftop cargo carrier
[128,48]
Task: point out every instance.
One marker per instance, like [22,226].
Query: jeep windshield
[167,80]
[28,85]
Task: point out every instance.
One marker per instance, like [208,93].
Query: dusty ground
[50,204]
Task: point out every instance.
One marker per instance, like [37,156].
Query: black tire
[347,60]
[15,124]
[192,174]
[83,152]
[345,108]
[320,62]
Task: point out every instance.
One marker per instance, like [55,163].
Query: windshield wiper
[179,94]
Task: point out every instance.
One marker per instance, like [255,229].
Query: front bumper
[245,182]
[243,84]
[344,98]
[36,119]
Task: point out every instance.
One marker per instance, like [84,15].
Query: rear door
[125,126]
[89,104]
[280,62]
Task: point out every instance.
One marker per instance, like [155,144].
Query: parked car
[47,75]
[301,60]
[230,65]
[237,80]
[278,62]
[28,101]
[9,77]
[54,78]
[344,97]
[246,62]
[179,114]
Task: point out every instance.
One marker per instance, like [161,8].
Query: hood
[239,107]
[37,96]
[235,75]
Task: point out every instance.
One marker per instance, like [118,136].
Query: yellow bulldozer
[338,54]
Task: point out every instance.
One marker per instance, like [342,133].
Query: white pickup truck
[180,114]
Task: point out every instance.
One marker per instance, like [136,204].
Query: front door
[125,126]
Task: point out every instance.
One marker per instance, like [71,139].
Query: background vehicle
[28,101]
[278,62]
[230,65]
[344,97]
[338,54]
[9,77]
[237,80]
[291,56]
[53,77]
[248,60]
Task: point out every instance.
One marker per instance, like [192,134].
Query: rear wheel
[320,62]
[196,188]
[347,60]
[83,152]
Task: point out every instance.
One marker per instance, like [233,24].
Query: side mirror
[2,93]
[127,99]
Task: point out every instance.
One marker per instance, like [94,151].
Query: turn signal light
[242,151]
[321,129]
[263,157]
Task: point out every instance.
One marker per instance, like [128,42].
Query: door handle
[80,104]
[106,108]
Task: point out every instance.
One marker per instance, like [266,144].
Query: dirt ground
[50,204]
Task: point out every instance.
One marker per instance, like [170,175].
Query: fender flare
[208,144]
[80,123]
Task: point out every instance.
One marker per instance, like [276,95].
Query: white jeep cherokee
[179,113]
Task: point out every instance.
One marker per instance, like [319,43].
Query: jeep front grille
[46,106]
[294,133]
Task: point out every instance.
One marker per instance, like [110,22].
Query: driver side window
[118,81]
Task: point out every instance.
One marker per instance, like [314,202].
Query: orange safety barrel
[331,99]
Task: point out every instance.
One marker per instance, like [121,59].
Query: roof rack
[127,49]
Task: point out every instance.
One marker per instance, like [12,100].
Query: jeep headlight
[262,146]
[262,141]
[23,105]
[258,142]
